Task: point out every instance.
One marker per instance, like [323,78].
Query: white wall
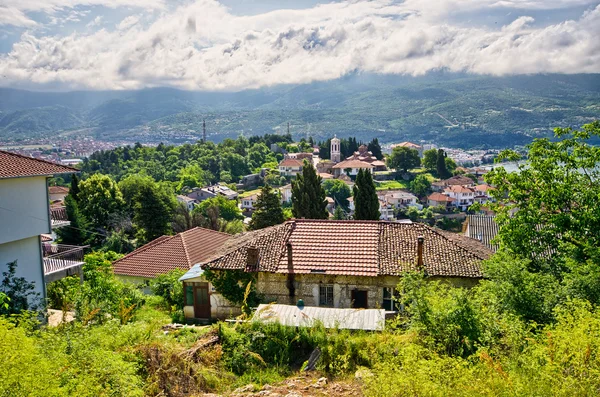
[27,252]
[24,208]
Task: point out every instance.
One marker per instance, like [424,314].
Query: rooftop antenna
[203,131]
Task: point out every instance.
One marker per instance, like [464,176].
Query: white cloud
[128,22]
[204,46]
[95,22]
[14,12]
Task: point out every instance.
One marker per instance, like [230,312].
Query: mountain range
[448,109]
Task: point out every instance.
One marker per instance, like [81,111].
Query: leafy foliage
[267,210]
[168,287]
[420,185]
[232,285]
[403,158]
[338,190]
[18,293]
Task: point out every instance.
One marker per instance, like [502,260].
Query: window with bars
[326,295]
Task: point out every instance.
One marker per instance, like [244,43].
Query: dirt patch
[303,385]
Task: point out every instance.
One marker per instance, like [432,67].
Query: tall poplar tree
[268,211]
[308,196]
[442,170]
[366,202]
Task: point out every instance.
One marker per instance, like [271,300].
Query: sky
[233,45]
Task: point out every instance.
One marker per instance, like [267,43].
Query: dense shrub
[169,288]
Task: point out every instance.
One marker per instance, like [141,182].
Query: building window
[189,294]
[326,295]
[390,299]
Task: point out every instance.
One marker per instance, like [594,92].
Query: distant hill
[449,109]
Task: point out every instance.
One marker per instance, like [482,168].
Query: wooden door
[201,301]
[359,299]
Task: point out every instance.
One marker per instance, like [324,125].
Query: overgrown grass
[388,185]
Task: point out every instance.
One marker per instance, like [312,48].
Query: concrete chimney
[420,264]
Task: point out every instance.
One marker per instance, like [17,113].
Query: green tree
[339,214]
[441,165]
[308,196]
[100,199]
[191,176]
[404,158]
[258,154]
[338,190]
[19,291]
[225,209]
[169,288]
[366,202]
[429,160]
[268,211]
[420,185]
[76,233]
[153,212]
[375,148]
[74,189]
[131,186]
[551,204]
[450,165]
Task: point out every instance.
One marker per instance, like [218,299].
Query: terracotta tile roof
[458,180]
[166,253]
[440,197]
[484,188]
[352,164]
[291,163]
[325,175]
[13,165]
[406,144]
[459,189]
[58,190]
[359,248]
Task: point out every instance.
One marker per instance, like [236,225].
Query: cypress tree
[441,169]
[74,189]
[153,212]
[268,211]
[366,202]
[339,214]
[308,196]
[75,233]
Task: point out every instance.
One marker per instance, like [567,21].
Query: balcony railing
[61,256]
[58,216]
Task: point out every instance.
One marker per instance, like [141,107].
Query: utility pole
[203,131]
[288,127]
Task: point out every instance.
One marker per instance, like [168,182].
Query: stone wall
[274,289]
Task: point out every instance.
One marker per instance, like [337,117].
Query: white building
[25,215]
[290,167]
[249,202]
[400,198]
[464,196]
[351,167]
[189,202]
[286,193]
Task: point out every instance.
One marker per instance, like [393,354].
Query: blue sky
[238,44]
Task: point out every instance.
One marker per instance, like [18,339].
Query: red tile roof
[166,253]
[13,165]
[358,248]
[352,164]
[58,190]
[440,197]
[459,189]
[291,163]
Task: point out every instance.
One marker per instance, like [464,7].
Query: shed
[308,316]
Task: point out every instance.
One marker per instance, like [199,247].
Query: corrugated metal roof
[195,271]
[308,316]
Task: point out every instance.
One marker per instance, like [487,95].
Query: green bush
[61,294]
[169,288]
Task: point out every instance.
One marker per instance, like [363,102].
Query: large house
[457,180]
[400,198]
[437,199]
[25,215]
[464,197]
[290,167]
[351,167]
[166,253]
[341,264]
[201,194]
